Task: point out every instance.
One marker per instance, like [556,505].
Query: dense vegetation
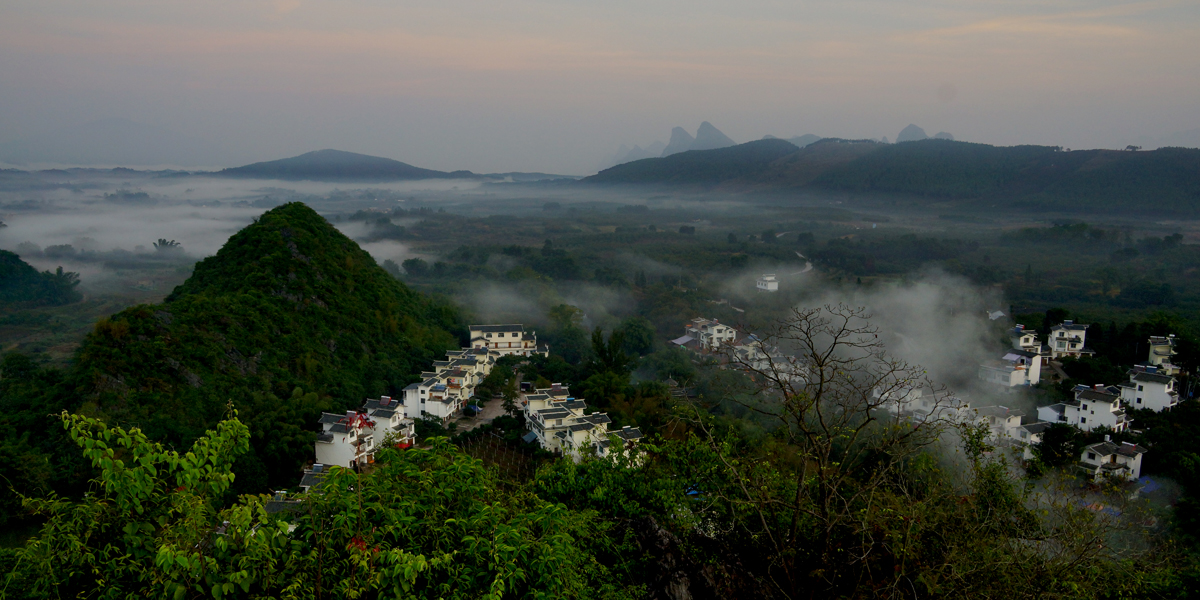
[288,319]
[23,286]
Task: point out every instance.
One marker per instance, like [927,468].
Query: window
[1091,456]
[1084,407]
[1083,420]
[489,335]
[1141,388]
[1139,400]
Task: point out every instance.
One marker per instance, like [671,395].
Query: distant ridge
[699,166]
[1163,181]
[334,165]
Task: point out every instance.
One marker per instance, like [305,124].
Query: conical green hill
[289,303]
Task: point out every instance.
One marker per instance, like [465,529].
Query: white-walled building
[1162,353]
[1148,389]
[1092,407]
[711,334]
[352,438]
[1017,368]
[1004,422]
[559,423]
[1025,339]
[1028,435]
[768,283]
[345,439]
[507,339]
[1121,462]
[1067,340]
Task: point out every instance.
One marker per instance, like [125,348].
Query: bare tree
[850,413]
[846,493]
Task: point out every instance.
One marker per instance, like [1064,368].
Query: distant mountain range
[339,165]
[1166,180]
[707,137]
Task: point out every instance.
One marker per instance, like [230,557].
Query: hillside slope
[1165,181]
[289,318]
[337,165]
[699,166]
[21,285]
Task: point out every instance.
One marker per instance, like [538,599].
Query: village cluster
[556,420]
[559,422]
[1150,385]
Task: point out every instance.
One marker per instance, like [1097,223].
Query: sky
[557,86]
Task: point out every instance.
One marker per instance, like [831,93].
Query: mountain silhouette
[338,165]
[912,133]
[681,141]
[710,138]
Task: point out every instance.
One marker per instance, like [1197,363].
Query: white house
[1162,351]
[388,414]
[507,339]
[768,283]
[559,423]
[345,440]
[1067,339]
[1015,369]
[1114,461]
[1004,422]
[711,334]
[1093,407]
[1148,389]
[1028,435]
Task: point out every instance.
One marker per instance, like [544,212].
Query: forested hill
[289,318]
[1166,180]
[338,165]
[23,286]
[744,161]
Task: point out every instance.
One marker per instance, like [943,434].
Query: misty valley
[775,369]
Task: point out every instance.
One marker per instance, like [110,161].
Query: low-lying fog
[108,229]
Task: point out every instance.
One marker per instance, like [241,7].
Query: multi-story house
[1027,340]
[1028,436]
[346,440]
[711,334]
[1122,462]
[1092,407]
[559,423]
[1004,422]
[768,283]
[1067,340]
[507,339]
[1162,351]
[352,438]
[1017,368]
[1149,389]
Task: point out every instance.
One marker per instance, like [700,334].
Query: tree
[415,267]
[609,356]
[732,239]
[164,245]
[833,405]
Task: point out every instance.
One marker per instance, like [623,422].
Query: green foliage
[425,523]
[1060,446]
[288,304]
[22,285]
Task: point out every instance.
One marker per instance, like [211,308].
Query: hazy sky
[557,85]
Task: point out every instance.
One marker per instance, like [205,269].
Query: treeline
[715,506]
[22,286]
[288,319]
